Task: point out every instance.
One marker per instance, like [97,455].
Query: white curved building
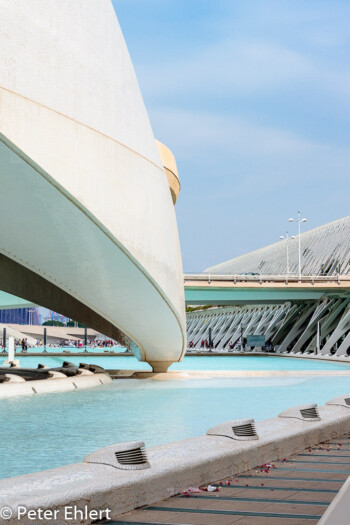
[324,250]
[88,222]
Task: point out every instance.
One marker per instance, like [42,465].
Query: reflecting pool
[46,431]
[230,362]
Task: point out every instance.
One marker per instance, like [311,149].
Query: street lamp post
[299,220]
[318,342]
[287,238]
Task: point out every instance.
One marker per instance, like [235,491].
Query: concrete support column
[160,366]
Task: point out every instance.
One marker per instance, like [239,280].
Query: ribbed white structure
[301,327]
[325,249]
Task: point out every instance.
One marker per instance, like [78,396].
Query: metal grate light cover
[303,412]
[343,401]
[240,429]
[125,456]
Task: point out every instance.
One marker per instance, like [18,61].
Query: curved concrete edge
[320,357]
[157,285]
[339,510]
[54,384]
[211,374]
[174,468]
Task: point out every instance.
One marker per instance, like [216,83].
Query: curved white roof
[325,249]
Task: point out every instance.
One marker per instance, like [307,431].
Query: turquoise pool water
[39,349]
[46,431]
[248,362]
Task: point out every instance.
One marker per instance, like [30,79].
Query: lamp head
[291,220]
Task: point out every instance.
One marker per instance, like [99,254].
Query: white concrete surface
[207,374]
[11,349]
[174,468]
[76,139]
[338,512]
[57,383]
[17,334]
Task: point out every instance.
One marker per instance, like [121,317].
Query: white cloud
[249,68]
[228,67]
[257,120]
[226,155]
[191,130]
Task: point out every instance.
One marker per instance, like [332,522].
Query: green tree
[52,323]
[73,323]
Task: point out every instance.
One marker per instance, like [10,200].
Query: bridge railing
[243,278]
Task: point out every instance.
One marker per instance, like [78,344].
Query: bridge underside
[230,296]
[63,260]
[10,302]
[292,327]
[19,281]
[228,293]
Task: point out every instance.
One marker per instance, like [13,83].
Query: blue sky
[253,98]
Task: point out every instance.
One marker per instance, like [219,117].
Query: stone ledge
[174,467]
[54,384]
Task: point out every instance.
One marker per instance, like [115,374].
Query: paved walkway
[296,490]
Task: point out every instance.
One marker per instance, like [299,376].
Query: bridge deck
[294,491]
[259,289]
[222,281]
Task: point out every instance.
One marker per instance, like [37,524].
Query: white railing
[311,279]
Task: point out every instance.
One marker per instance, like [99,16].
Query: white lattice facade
[288,328]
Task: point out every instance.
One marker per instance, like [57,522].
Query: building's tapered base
[160,366]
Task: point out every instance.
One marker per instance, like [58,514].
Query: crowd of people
[22,344]
[107,343]
[204,344]
[240,344]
